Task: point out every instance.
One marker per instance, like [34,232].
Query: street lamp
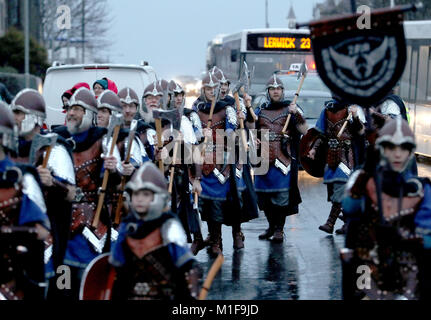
[26,44]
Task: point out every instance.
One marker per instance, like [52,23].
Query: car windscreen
[311,83]
[265,64]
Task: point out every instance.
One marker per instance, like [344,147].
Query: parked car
[60,78]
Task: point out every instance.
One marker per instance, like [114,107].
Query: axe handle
[196,198]
[299,89]
[253,115]
[120,201]
[287,123]
[209,124]
[241,122]
[171,178]
[105,180]
[159,141]
[211,275]
[344,125]
[123,182]
[48,153]
[294,102]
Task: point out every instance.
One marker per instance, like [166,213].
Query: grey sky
[172,35]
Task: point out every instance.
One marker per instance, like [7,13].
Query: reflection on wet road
[306,266]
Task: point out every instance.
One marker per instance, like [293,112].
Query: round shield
[98,279]
[316,166]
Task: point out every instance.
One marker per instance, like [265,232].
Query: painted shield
[360,65]
[98,279]
[316,166]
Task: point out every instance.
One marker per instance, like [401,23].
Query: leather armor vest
[88,165]
[390,249]
[274,120]
[339,148]
[214,151]
[148,274]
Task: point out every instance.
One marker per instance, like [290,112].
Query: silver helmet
[7,127]
[273,82]
[85,99]
[109,100]
[128,95]
[209,81]
[149,177]
[32,104]
[396,132]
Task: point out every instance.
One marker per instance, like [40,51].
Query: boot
[267,234]
[215,241]
[271,229]
[342,230]
[215,247]
[333,215]
[238,239]
[198,243]
[278,236]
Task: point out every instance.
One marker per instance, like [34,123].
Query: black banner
[360,65]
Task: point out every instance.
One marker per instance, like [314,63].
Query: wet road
[306,266]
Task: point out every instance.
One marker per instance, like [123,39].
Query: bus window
[422,73]
[234,55]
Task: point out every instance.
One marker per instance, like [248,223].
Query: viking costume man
[277,190]
[151,259]
[24,223]
[341,156]
[388,210]
[90,143]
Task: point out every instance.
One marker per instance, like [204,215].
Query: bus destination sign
[278,42]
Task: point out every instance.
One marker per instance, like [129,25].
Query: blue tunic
[212,189]
[30,213]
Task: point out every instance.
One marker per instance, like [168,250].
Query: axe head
[173,116]
[243,80]
[40,141]
[133,125]
[302,71]
[116,119]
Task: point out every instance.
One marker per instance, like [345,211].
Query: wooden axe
[39,141]
[174,117]
[349,117]
[301,74]
[114,126]
[130,139]
[210,117]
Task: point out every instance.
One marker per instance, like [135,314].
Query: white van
[61,78]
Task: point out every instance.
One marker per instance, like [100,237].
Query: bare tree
[90,22]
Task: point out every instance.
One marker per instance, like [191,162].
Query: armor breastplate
[148,274]
[339,148]
[10,204]
[393,260]
[274,120]
[214,151]
[88,165]
[403,217]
